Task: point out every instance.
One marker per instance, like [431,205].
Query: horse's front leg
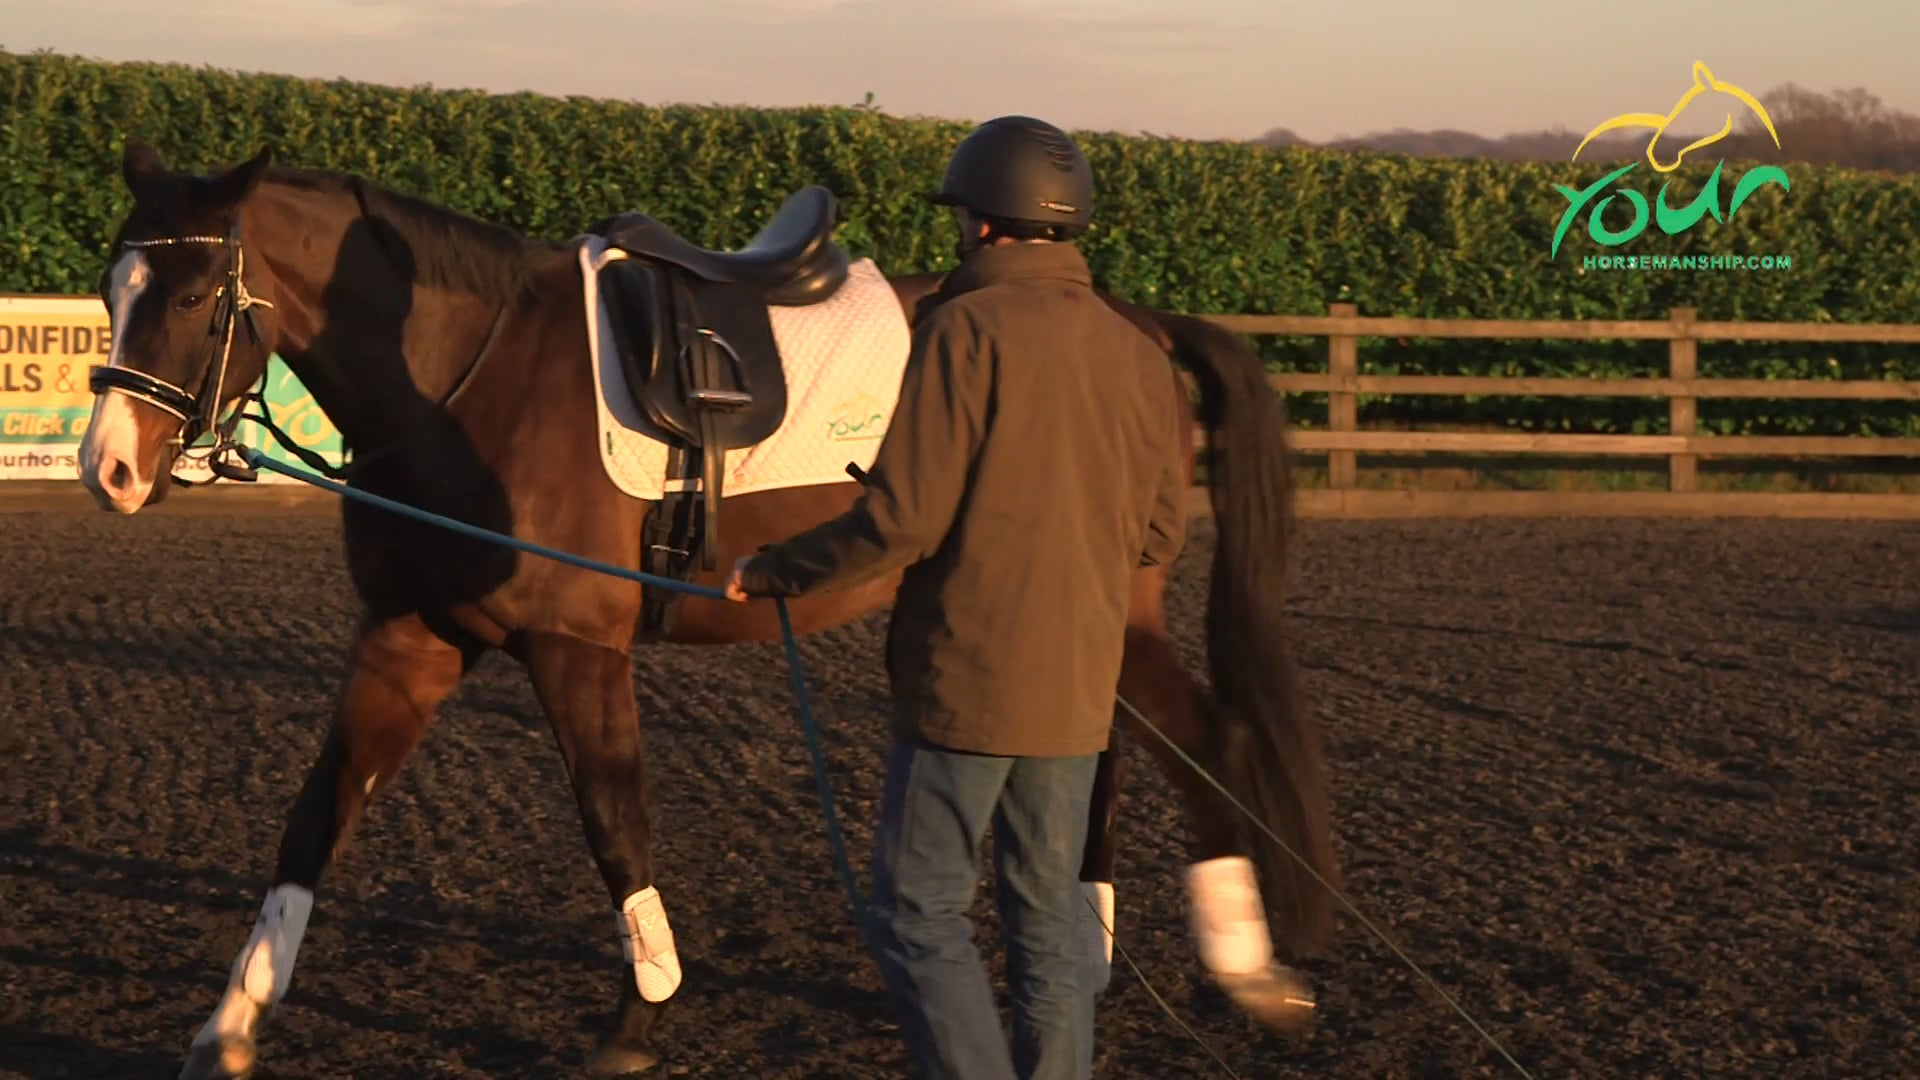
[587,691]
[1096,872]
[400,673]
[1145,641]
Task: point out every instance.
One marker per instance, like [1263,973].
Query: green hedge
[1200,227]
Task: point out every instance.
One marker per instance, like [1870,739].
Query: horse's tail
[1267,748]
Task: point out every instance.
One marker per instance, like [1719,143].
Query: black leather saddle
[696,344]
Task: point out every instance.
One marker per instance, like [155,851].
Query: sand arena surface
[1640,794]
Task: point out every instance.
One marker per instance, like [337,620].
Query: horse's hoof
[621,1059]
[231,1058]
[1278,997]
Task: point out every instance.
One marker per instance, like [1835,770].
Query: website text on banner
[47,346]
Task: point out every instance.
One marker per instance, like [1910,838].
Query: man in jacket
[1033,463]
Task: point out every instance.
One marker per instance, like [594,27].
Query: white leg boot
[647,942]
[1230,928]
[224,1048]
[1096,938]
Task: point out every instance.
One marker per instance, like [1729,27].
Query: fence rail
[1342,440]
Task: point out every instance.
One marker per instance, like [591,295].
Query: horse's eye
[190,302]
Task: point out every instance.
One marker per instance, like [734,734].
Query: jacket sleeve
[918,476]
[1167,527]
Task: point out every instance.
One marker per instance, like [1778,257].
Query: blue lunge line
[861,915]
[258,460]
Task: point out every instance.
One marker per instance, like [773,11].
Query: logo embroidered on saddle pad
[861,419]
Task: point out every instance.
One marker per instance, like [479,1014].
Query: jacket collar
[1015,262]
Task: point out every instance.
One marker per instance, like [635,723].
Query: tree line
[1850,128]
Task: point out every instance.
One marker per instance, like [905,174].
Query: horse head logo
[1703,81]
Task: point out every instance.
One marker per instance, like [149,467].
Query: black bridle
[198,408]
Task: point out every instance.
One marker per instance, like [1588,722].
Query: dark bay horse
[452,356]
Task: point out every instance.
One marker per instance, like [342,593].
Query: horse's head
[189,335]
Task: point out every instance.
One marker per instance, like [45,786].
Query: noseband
[197,409]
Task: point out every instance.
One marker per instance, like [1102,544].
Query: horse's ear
[238,182]
[141,164]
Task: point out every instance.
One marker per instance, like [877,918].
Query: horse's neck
[378,373]
[378,352]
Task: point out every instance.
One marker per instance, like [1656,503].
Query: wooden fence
[1342,440]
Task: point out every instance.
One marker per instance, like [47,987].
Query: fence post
[1683,362]
[1343,407]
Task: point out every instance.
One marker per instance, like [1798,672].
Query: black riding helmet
[1022,170]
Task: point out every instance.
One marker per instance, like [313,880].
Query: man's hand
[735,591]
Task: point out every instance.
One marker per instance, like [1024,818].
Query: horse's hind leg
[587,692]
[1227,916]
[400,673]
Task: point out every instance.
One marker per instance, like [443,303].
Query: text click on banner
[48,344]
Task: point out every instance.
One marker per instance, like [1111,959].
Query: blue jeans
[925,867]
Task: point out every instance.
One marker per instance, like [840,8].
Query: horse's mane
[445,247]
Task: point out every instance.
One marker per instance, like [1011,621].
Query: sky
[1189,68]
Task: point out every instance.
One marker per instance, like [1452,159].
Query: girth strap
[709,368]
